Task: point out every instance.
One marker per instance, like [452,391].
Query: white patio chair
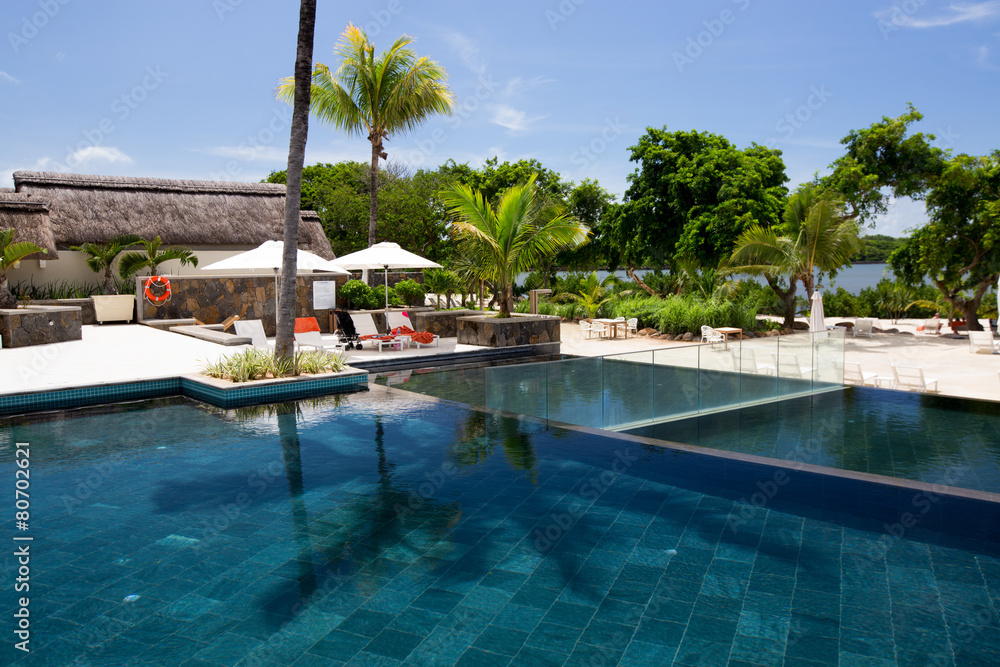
[933,326]
[983,340]
[315,340]
[585,328]
[912,377]
[749,363]
[788,365]
[600,329]
[864,326]
[854,375]
[710,335]
[254,330]
[633,324]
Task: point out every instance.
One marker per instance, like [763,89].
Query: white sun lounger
[315,339]
[397,319]
[254,330]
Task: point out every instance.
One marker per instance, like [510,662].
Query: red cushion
[304,324]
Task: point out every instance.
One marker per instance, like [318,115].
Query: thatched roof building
[56,211]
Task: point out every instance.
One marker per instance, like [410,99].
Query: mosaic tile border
[205,390]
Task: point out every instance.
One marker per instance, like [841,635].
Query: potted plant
[10,254]
[110,306]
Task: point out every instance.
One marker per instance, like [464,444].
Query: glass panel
[518,388]
[628,382]
[675,381]
[794,361]
[575,391]
[719,377]
[758,380]
[828,353]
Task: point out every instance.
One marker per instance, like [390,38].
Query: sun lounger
[912,377]
[315,340]
[854,375]
[368,332]
[254,330]
[788,365]
[983,340]
[864,327]
[399,325]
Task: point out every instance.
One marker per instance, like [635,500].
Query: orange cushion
[304,324]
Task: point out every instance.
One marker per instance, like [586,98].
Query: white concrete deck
[127,352]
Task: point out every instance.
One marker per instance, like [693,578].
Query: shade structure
[268,256]
[385,256]
[816,316]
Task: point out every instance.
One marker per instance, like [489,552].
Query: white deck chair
[854,375]
[788,365]
[364,324]
[586,328]
[983,340]
[600,329]
[864,326]
[933,326]
[750,364]
[912,377]
[633,324]
[710,335]
[254,330]
[315,340]
[397,319]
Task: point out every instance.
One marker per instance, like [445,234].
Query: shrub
[256,364]
[410,292]
[358,295]
[680,314]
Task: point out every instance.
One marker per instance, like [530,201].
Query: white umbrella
[385,256]
[268,256]
[816,317]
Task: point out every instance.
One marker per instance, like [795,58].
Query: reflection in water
[291,454]
[480,432]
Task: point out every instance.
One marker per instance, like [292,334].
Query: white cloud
[903,216]
[7,78]
[956,13]
[467,51]
[511,118]
[85,156]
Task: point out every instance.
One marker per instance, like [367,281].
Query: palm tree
[375,97]
[300,98]
[594,292]
[10,254]
[102,257]
[815,235]
[151,257]
[519,233]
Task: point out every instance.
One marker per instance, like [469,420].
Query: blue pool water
[385,529]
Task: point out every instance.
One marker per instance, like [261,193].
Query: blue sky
[184,89]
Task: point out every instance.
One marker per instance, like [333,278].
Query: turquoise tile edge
[219,396]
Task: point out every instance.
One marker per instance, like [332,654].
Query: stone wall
[86,306]
[444,323]
[211,299]
[38,325]
[490,331]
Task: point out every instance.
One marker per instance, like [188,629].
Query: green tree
[692,195]
[877,248]
[880,163]
[958,248]
[814,235]
[151,257]
[12,252]
[506,240]
[102,256]
[376,97]
[594,292]
[494,178]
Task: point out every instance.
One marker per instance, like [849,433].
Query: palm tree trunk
[787,298]
[293,192]
[373,186]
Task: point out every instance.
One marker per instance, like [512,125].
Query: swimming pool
[383,528]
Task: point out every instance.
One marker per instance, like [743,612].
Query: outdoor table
[727,331]
[614,324]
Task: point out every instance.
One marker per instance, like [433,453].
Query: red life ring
[158,281]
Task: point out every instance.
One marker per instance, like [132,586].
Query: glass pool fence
[623,391]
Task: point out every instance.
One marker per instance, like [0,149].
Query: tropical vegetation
[101,257]
[12,252]
[151,256]
[257,364]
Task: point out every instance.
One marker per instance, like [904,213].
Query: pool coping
[220,393]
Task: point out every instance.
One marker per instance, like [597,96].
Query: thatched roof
[191,213]
[30,217]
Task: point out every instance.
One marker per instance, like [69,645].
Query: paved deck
[127,352]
